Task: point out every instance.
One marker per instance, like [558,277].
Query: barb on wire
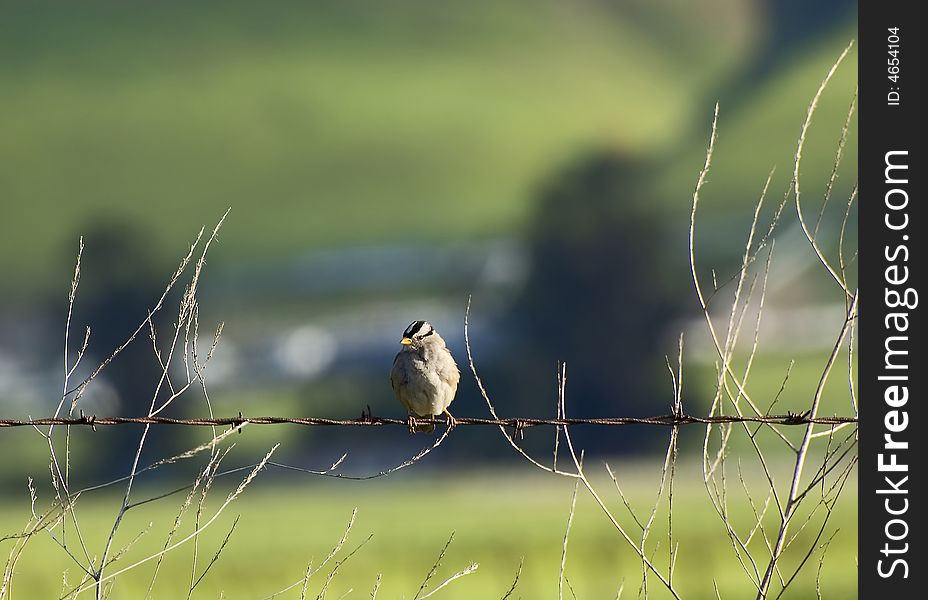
[670,420]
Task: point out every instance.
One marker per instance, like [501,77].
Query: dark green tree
[607,281]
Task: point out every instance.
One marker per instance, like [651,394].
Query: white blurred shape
[307,351]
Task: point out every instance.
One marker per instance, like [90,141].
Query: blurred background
[383,162]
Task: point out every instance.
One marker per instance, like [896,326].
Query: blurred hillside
[383,161]
[330,123]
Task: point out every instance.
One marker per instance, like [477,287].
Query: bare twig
[574,455]
[793,499]
[310,571]
[810,236]
[462,573]
[570,518]
[338,564]
[215,557]
[434,568]
[515,581]
[229,499]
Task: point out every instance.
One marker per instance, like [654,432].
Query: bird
[424,376]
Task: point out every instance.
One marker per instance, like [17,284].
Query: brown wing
[399,377]
[449,373]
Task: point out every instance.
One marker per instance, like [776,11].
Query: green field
[326,125]
[498,518]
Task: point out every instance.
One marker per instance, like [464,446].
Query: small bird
[424,376]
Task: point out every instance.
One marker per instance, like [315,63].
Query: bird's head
[418,334]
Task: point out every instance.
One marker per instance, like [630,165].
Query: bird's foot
[411,423]
[451,421]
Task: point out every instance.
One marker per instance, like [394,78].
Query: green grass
[319,126]
[498,518]
[330,124]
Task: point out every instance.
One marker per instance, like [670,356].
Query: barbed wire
[367,420]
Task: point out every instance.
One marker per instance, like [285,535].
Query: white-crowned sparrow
[424,376]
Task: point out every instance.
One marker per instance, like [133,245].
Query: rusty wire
[366,420]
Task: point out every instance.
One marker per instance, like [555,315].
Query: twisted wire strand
[366,420]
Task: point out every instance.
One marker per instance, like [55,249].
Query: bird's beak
[406,341]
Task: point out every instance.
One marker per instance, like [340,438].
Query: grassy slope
[761,134]
[497,517]
[323,125]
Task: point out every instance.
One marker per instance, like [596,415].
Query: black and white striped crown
[418,329]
